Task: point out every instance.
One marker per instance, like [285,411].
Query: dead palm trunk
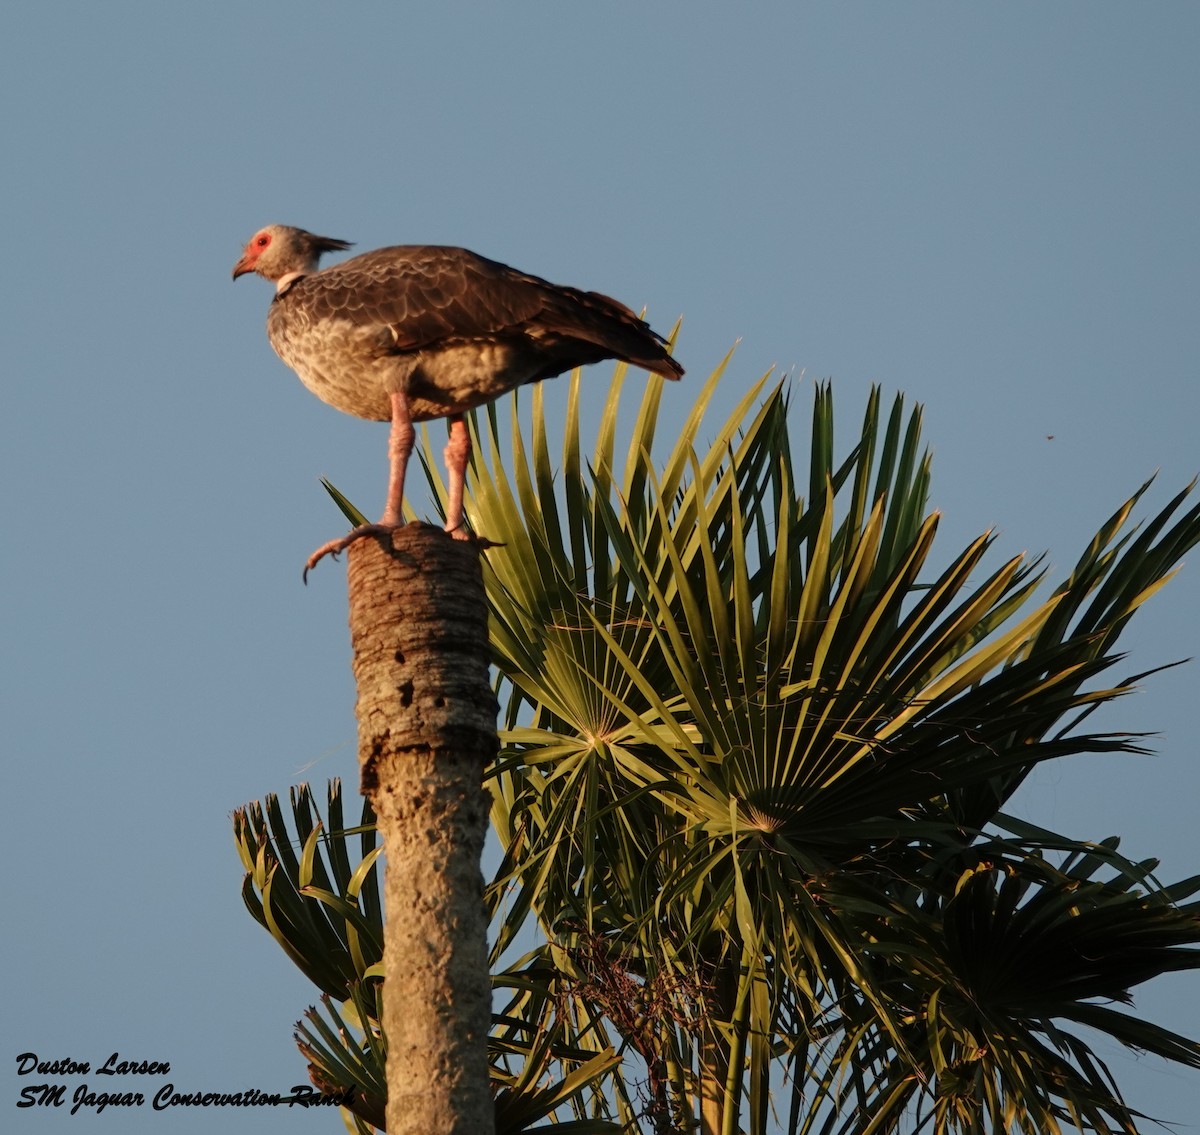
[427,728]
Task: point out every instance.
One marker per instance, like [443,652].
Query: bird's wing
[415,296]
[425,294]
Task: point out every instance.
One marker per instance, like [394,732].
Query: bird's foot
[461,532]
[334,547]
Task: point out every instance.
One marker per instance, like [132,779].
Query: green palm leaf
[757,750]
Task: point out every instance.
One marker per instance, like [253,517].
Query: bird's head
[281,253]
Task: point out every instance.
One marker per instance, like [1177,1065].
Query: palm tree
[758,748]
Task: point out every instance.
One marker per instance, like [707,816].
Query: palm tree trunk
[427,729]
[715,1051]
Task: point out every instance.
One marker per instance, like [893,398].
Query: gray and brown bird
[415,332]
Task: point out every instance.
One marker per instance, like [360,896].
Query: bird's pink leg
[457,453]
[400,444]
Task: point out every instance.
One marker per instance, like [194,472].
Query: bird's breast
[356,368]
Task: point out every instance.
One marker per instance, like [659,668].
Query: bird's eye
[262,240]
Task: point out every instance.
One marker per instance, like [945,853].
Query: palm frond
[759,736]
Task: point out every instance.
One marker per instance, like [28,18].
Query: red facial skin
[250,254]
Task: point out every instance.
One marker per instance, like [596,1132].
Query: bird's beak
[243,266]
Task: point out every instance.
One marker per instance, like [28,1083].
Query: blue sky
[990,207]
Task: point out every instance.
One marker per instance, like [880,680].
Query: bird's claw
[335,547]
[461,532]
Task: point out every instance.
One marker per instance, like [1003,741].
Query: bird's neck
[287,280]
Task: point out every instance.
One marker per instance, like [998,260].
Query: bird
[413,333]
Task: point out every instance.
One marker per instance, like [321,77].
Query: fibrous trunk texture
[427,729]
